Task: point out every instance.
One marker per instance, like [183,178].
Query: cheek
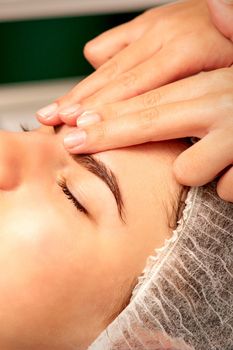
[45,269]
[55,272]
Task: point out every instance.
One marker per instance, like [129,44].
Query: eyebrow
[98,168]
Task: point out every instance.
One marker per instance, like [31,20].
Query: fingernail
[88,118]
[75,139]
[71,111]
[49,111]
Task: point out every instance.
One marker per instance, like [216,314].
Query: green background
[50,48]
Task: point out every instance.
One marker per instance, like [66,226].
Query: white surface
[19,102]
[23,9]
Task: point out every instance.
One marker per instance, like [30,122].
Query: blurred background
[41,49]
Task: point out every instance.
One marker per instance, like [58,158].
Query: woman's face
[72,242]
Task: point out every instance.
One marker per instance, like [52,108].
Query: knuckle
[147,119]
[109,69]
[111,112]
[100,132]
[151,99]
[128,79]
[108,112]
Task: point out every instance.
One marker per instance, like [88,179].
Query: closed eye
[24,128]
[70,196]
[62,183]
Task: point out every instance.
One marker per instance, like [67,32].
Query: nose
[23,157]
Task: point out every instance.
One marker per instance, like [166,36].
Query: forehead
[146,157]
[145,172]
[139,169]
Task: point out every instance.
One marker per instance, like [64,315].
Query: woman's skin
[66,273]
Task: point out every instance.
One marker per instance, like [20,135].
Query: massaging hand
[199,106]
[160,46]
[222,16]
[117,132]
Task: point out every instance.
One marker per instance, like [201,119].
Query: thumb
[222,15]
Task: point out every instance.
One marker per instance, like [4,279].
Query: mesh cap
[184,298]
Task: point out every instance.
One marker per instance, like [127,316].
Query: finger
[152,73]
[203,161]
[55,114]
[162,123]
[161,120]
[66,109]
[135,81]
[225,186]
[125,60]
[122,62]
[182,90]
[109,43]
[106,45]
[48,115]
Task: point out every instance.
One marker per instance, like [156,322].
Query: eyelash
[24,128]
[62,184]
[69,195]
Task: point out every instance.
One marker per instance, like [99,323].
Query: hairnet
[184,298]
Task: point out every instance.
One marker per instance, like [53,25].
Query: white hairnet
[184,299]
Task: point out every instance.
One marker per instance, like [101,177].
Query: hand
[160,46]
[222,16]
[199,106]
